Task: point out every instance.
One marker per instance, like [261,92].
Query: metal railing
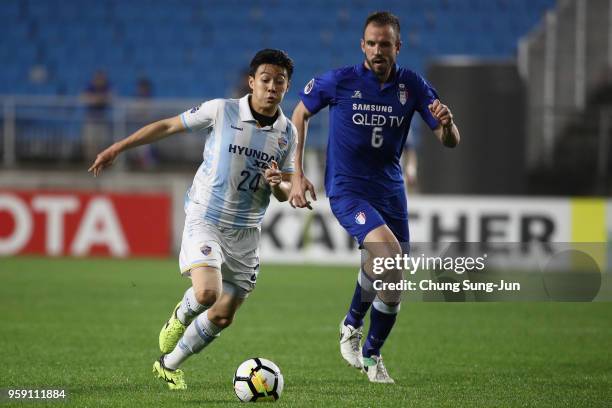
[43,130]
[57,131]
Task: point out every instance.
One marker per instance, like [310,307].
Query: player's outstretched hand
[297,197]
[273,175]
[103,160]
[442,113]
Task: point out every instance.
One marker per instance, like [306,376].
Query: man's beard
[382,68]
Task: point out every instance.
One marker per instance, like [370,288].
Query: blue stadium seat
[178,43]
[10,10]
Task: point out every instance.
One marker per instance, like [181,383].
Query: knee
[389,249]
[206,297]
[381,242]
[221,321]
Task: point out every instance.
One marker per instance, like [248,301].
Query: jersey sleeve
[288,161]
[319,92]
[426,94]
[201,116]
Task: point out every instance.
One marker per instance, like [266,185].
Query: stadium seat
[191,36]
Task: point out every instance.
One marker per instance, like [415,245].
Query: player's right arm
[318,93]
[145,135]
[299,182]
[199,117]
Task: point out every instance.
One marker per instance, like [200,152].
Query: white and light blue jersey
[229,189]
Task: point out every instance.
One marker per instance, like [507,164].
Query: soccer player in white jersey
[249,148]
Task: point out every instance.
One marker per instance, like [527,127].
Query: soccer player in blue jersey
[371,106]
[249,148]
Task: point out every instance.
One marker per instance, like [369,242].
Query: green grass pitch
[90,326]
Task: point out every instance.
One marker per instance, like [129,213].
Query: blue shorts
[360,215]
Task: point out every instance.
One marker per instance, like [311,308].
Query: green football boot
[174,378]
[171,332]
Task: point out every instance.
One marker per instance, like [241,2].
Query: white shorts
[234,251]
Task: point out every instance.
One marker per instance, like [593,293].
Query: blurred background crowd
[529,81]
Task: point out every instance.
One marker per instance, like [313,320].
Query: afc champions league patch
[309,86]
[402,94]
[282,142]
[205,249]
[360,218]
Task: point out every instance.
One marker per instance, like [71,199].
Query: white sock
[200,333]
[189,308]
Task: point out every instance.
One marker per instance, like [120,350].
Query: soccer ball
[258,379]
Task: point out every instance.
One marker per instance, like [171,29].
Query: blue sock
[362,299]
[381,323]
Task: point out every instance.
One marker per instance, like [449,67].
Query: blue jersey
[368,126]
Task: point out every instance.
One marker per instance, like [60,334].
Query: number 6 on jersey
[377,136]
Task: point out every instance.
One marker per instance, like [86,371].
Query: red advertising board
[71,223]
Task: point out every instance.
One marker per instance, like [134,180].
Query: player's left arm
[279,182]
[446,132]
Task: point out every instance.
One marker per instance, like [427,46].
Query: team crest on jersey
[360,218]
[309,86]
[402,94]
[282,142]
[205,249]
[195,109]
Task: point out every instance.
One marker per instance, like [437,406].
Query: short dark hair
[271,56]
[383,18]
